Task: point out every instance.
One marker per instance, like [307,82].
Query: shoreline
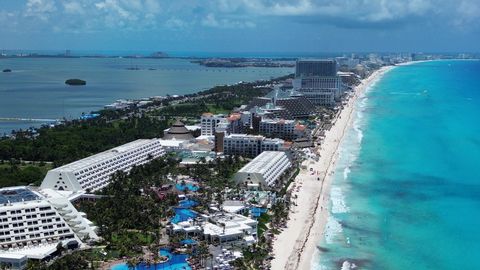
[295,246]
[24,123]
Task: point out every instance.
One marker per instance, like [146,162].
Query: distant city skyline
[242,25]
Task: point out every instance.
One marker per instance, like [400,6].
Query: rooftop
[17,194]
[245,136]
[178,131]
[277,121]
[263,161]
[33,252]
[103,155]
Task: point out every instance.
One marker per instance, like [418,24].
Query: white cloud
[98,15]
[73,8]
[372,10]
[469,14]
[176,23]
[41,9]
[211,21]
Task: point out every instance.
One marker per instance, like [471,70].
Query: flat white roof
[12,256]
[277,121]
[171,143]
[34,252]
[263,162]
[233,206]
[79,164]
[245,136]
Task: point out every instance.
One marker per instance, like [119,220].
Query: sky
[242,25]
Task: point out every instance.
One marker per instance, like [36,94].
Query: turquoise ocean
[406,192]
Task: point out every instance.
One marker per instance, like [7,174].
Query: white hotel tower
[32,224]
[93,173]
[265,170]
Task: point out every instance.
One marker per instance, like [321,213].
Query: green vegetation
[78,139]
[219,99]
[254,257]
[130,216]
[285,187]
[15,173]
[73,261]
[75,82]
[263,220]
[183,109]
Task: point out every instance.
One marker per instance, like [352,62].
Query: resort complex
[239,134]
[93,173]
[207,191]
[34,223]
[264,171]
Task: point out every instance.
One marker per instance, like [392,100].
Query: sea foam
[338,201]
[332,229]
[348,265]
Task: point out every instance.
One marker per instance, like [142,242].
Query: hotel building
[32,224]
[93,173]
[277,128]
[315,67]
[209,122]
[318,81]
[291,105]
[250,145]
[219,228]
[265,170]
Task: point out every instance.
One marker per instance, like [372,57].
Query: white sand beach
[296,245]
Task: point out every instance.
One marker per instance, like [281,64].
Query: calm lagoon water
[406,193]
[36,89]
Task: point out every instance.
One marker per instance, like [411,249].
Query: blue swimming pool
[257,211]
[189,186]
[175,262]
[183,214]
[187,203]
[188,242]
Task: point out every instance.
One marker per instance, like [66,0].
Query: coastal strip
[295,246]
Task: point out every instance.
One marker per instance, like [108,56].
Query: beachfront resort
[216,193]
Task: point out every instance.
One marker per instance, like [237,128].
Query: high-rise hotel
[318,81]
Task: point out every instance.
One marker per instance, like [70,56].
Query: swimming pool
[188,186]
[183,214]
[187,203]
[175,262]
[257,211]
[188,242]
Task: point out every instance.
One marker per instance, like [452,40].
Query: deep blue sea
[406,193]
[36,86]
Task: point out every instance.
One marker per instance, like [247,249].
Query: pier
[23,119]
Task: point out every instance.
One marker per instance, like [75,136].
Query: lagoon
[35,89]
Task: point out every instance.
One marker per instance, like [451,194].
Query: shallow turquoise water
[406,193]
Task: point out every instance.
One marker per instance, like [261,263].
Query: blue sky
[241,25]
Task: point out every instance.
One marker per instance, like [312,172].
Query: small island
[75,82]
[7,70]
